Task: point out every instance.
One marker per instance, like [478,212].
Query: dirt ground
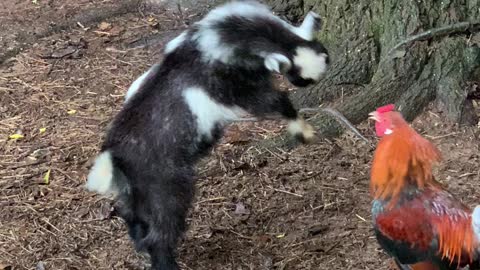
[256,208]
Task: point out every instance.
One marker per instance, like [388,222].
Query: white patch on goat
[312,64]
[212,48]
[251,9]
[209,40]
[277,62]
[243,9]
[173,44]
[476,221]
[100,178]
[137,84]
[209,112]
[299,126]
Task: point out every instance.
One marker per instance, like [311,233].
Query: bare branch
[336,114]
[437,32]
[342,118]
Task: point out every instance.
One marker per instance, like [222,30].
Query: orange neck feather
[402,158]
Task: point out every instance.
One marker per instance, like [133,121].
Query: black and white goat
[212,74]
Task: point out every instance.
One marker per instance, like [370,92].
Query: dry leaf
[240,209]
[42,130]
[70,112]
[104,26]
[64,52]
[40,266]
[236,135]
[39,154]
[5,266]
[16,136]
[152,21]
[46,178]
[106,210]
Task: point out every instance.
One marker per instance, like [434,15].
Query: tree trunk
[368,69]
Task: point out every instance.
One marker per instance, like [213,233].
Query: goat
[213,73]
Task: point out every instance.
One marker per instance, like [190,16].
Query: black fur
[153,139]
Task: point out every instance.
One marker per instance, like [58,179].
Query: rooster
[416,221]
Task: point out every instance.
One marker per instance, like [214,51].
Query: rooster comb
[386,108]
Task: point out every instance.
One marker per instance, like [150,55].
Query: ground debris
[247,196]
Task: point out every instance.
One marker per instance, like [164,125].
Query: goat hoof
[302,131]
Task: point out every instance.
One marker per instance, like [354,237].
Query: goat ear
[277,62]
[310,25]
[314,21]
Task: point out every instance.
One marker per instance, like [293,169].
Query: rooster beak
[373,116]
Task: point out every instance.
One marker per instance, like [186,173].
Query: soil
[256,208]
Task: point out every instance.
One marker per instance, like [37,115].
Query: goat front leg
[272,102]
[297,126]
[301,130]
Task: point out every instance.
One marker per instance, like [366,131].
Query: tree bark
[369,69]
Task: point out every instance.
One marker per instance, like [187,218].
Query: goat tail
[105,178]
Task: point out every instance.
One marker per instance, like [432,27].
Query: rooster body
[410,230]
[416,221]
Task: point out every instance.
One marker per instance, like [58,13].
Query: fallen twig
[442,136]
[17,166]
[361,218]
[288,192]
[211,199]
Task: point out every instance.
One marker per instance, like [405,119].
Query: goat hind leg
[168,205]
[162,257]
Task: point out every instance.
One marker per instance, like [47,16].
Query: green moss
[327,39]
[472,60]
[377,29]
